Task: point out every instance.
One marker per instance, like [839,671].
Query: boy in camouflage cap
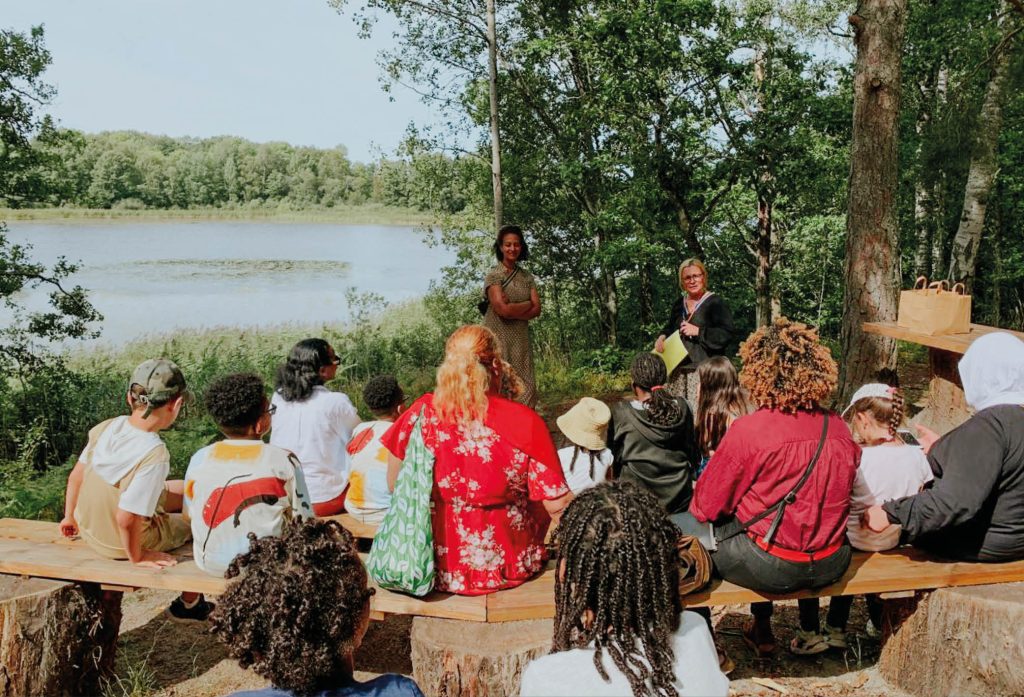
[118,497]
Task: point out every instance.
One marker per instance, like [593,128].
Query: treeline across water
[132,170]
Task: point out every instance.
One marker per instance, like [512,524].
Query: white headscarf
[992,371]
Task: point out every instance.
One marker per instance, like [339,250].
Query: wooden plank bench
[35,548]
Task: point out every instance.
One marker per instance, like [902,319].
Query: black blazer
[716,330]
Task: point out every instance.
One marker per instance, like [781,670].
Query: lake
[152,278]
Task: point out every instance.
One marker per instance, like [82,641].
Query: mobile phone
[908,437]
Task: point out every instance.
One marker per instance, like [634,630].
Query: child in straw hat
[586,460]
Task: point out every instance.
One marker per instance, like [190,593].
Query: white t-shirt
[886,472]
[235,487]
[317,430]
[117,451]
[368,497]
[578,478]
[573,673]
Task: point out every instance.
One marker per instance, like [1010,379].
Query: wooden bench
[35,548]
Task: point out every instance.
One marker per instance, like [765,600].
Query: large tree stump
[960,641]
[474,659]
[945,406]
[56,638]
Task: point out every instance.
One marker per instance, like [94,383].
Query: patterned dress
[490,479]
[514,334]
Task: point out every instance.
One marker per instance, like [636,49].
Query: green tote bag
[402,556]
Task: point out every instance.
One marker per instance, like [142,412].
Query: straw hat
[586,424]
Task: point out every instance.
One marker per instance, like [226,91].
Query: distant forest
[132,170]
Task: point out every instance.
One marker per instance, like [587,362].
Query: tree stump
[945,406]
[960,641]
[474,659]
[56,638]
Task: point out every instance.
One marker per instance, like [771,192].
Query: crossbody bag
[779,507]
[485,302]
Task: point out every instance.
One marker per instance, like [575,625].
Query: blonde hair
[700,265]
[464,377]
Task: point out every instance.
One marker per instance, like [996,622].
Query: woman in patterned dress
[497,479]
[512,302]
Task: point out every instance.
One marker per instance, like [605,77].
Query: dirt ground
[160,658]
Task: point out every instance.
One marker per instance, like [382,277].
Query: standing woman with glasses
[314,423]
[512,301]
[704,323]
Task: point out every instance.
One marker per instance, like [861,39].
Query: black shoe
[177,612]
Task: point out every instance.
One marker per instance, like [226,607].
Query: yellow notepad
[674,352]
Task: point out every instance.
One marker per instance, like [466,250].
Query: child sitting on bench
[240,485]
[586,459]
[298,610]
[369,496]
[118,497]
[889,469]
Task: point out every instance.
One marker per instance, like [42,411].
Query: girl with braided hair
[497,478]
[652,438]
[889,469]
[617,597]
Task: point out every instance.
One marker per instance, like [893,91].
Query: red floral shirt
[490,478]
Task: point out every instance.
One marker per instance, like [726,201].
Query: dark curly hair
[236,402]
[786,367]
[297,376]
[524,253]
[617,558]
[648,373]
[382,394]
[295,606]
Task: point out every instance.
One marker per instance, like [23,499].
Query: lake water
[152,278]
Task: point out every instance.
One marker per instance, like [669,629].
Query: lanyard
[688,315]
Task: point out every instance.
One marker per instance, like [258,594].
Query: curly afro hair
[382,394]
[236,402]
[617,552]
[786,367]
[296,605]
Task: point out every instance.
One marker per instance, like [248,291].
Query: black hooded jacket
[660,458]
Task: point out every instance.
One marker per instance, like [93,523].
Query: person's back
[586,460]
[240,485]
[369,496]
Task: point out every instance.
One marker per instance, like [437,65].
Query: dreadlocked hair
[464,377]
[721,399]
[295,606]
[786,367]
[648,373]
[884,410]
[617,560]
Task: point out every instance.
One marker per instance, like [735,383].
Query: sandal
[761,649]
[808,643]
[835,637]
[725,664]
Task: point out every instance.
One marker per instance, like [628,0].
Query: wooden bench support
[56,638]
[957,641]
[473,659]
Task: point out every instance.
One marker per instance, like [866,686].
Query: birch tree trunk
[924,203]
[982,173]
[872,255]
[492,66]
[938,197]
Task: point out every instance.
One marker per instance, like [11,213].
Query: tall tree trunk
[762,277]
[646,292]
[924,220]
[492,67]
[872,262]
[939,196]
[982,173]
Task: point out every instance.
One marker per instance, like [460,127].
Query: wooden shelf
[956,343]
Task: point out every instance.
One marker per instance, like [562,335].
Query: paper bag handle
[938,286]
[920,283]
[962,291]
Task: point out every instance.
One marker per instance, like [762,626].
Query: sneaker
[808,643]
[177,612]
[835,637]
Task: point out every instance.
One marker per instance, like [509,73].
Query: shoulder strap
[790,497]
[510,277]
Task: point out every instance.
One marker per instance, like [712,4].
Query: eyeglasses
[272,409]
[693,277]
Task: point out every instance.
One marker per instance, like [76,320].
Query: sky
[285,70]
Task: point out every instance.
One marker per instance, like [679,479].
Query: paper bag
[932,309]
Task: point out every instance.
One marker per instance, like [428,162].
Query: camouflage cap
[156,382]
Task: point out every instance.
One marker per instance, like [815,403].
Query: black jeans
[739,560]
[839,610]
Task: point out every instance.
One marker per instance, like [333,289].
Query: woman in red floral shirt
[497,479]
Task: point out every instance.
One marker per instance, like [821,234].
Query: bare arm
[554,507]
[69,526]
[394,467]
[506,310]
[535,301]
[129,527]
